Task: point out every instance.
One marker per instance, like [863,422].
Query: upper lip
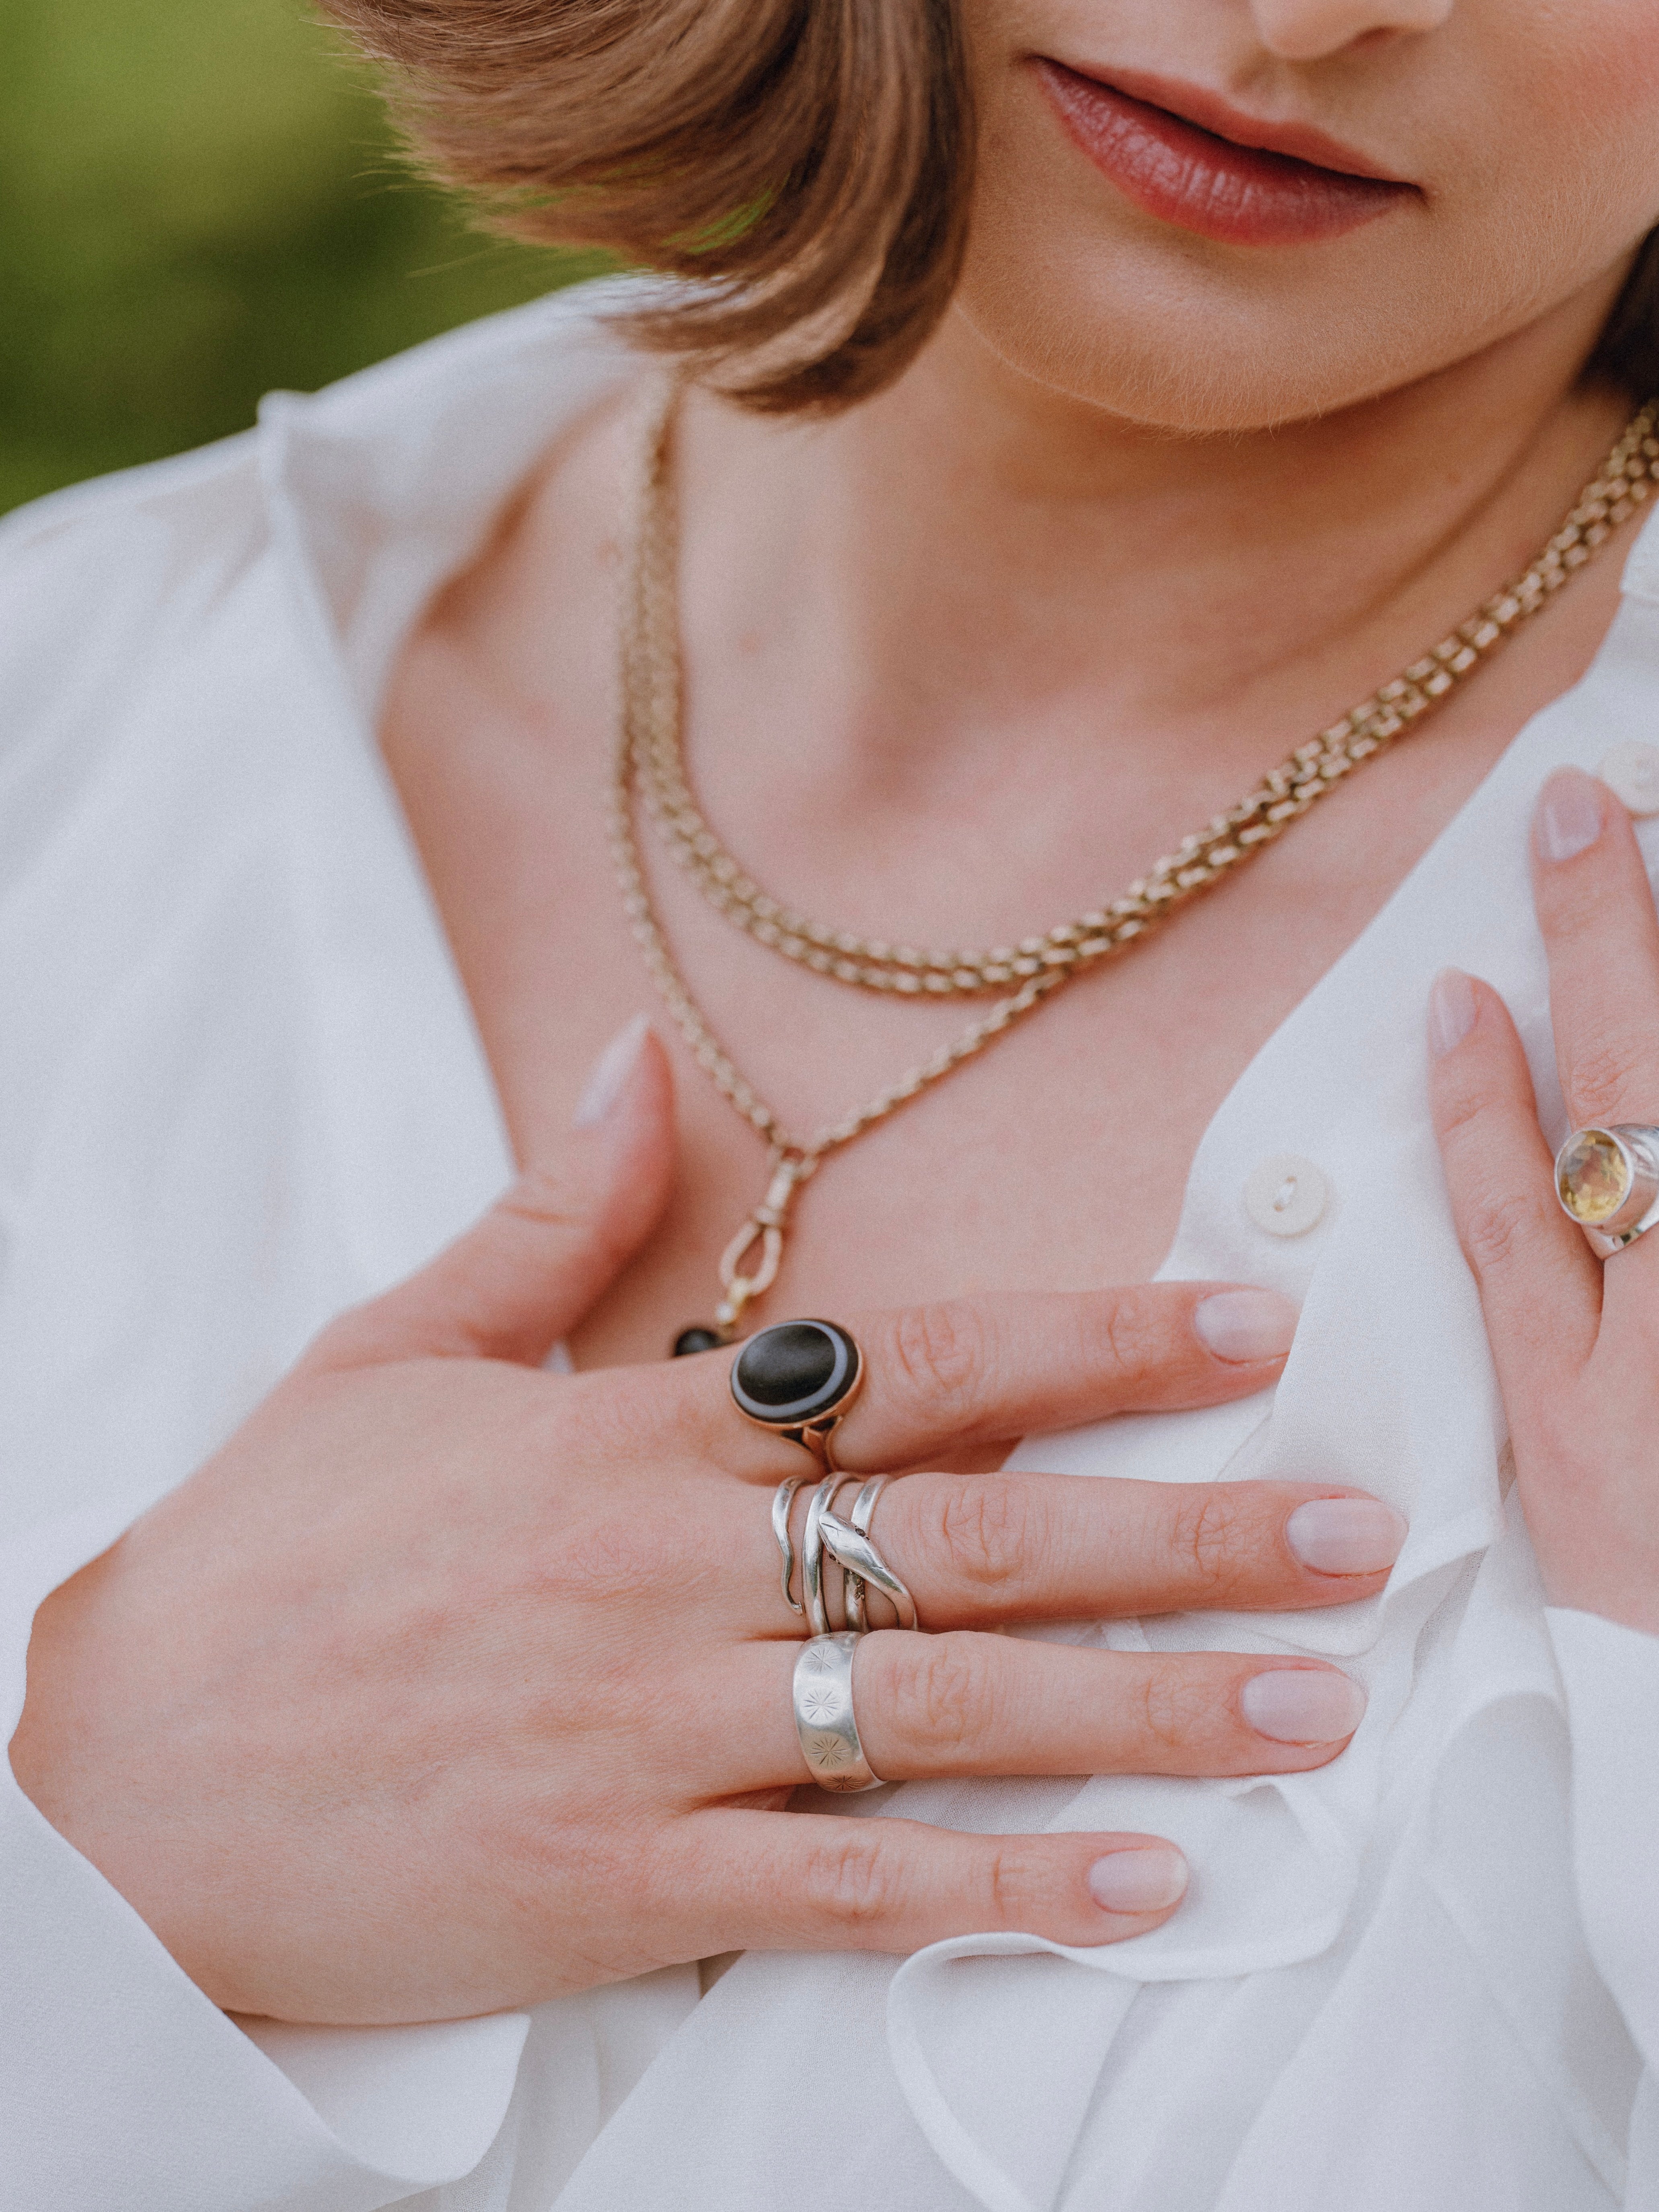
[1208,110]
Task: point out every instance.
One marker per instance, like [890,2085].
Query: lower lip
[1238,195]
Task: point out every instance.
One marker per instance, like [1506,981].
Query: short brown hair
[804,161]
[807,163]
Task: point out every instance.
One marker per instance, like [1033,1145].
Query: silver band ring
[823,1714]
[783,1499]
[811,1555]
[1607,1181]
[848,1542]
[864,1506]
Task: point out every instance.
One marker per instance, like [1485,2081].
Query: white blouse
[242,1088]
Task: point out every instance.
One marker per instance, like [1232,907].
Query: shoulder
[410,442]
[487,393]
[313,535]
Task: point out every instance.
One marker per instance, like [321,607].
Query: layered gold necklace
[651,762]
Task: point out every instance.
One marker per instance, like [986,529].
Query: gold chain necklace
[649,753]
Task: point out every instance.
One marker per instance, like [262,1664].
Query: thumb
[513,1284]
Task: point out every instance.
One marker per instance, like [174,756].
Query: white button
[1632,772]
[1286,1196]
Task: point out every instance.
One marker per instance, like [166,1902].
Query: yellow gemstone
[1593,1177]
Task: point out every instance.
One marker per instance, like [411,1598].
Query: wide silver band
[823,1714]
[1602,1164]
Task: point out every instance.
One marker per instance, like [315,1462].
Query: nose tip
[1312,30]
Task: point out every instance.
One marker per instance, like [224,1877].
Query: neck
[983,551]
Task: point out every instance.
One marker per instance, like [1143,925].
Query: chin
[1186,352]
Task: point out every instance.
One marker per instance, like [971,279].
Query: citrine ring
[1607,1182]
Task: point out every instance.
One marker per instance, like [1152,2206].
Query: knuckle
[1576,902]
[543,1198]
[1176,1709]
[1606,1072]
[1461,1108]
[985,1531]
[852,1878]
[941,1694]
[942,1349]
[1137,1336]
[1011,1893]
[611,1560]
[1496,1227]
[548,1200]
[1209,1539]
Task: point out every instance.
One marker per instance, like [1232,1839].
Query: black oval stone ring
[798,1378]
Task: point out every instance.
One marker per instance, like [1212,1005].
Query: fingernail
[1570,816]
[608,1076]
[1452,1009]
[1302,1705]
[1345,1536]
[1148,1878]
[1240,1325]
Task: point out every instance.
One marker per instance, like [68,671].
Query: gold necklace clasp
[765,1227]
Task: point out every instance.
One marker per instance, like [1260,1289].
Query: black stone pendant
[696,1340]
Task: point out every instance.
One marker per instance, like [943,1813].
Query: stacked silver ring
[848,1543]
[824,1720]
[797,1381]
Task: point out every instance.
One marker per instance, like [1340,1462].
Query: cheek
[1589,151]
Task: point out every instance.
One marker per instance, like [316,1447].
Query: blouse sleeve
[126,2087]
[1611,1675]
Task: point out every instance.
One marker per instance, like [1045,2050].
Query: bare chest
[1056,1159]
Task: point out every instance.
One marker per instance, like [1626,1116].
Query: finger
[969,1372]
[811,1882]
[525,1274]
[975,1550]
[1601,935]
[1540,1283]
[959,1704]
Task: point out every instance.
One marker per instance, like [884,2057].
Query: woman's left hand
[1576,1339]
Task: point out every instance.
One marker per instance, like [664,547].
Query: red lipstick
[1247,191]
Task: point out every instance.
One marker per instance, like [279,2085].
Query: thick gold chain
[1623,482]
[649,753]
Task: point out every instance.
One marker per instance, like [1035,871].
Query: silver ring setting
[1607,1182]
[824,1720]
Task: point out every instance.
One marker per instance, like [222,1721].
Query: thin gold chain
[648,753]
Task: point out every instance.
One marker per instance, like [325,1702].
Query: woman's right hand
[449,1685]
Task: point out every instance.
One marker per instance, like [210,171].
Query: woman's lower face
[1130,249]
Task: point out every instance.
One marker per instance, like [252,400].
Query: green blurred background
[199,202]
